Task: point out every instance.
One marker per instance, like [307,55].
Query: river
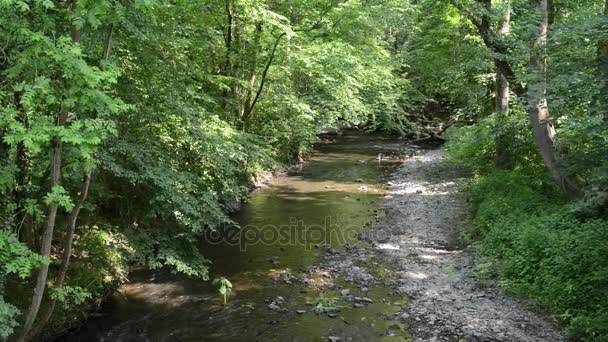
[335,195]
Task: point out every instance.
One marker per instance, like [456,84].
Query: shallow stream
[335,195]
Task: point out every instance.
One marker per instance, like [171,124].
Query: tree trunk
[503,157]
[545,135]
[228,39]
[69,238]
[249,112]
[47,237]
[67,252]
[245,105]
[25,225]
[602,72]
[107,46]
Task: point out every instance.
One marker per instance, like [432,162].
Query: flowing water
[335,195]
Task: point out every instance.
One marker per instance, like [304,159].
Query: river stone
[345,292]
[272,306]
[364,299]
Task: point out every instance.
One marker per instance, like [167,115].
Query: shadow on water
[327,203]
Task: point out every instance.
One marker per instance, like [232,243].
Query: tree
[47,237]
[67,108]
[602,69]
[543,128]
[503,157]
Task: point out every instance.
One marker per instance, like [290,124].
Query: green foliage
[60,197]
[542,251]
[322,302]
[8,322]
[192,99]
[178,251]
[101,260]
[447,61]
[225,287]
[474,146]
[70,296]
[16,257]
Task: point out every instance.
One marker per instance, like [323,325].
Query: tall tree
[602,68]
[543,128]
[49,227]
[503,156]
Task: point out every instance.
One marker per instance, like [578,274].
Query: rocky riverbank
[415,251]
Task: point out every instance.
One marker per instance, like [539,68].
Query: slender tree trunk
[545,135]
[69,238]
[246,108]
[47,236]
[503,157]
[25,225]
[107,46]
[67,253]
[602,72]
[247,115]
[228,68]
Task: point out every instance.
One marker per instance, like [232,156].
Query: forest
[129,128]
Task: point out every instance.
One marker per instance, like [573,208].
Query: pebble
[363,299]
[274,307]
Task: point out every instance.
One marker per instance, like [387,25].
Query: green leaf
[59,197]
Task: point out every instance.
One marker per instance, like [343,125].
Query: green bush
[475,146]
[100,261]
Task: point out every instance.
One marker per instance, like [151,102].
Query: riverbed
[282,231]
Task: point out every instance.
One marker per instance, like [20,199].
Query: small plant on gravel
[225,286]
[321,302]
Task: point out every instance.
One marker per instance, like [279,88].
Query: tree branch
[264,75]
